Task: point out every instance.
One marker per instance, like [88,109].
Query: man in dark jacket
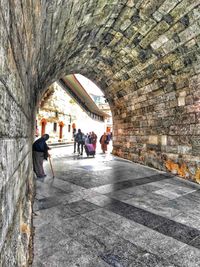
[40,152]
[80,140]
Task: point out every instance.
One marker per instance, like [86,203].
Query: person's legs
[74,146]
[81,148]
[94,145]
[102,147]
[78,147]
[38,158]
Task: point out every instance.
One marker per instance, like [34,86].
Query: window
[69,128]
[54,126]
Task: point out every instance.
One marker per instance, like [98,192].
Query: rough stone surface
[109,210]
[145,56]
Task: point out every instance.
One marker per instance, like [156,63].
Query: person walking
[89,137]
[87,140]
[40,152]
[104,142]
[74,136]
[80,140]
[94,140]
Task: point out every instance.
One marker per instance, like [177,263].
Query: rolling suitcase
[89,150]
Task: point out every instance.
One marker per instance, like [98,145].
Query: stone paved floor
[105,211]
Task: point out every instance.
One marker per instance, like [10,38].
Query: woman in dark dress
[40,152]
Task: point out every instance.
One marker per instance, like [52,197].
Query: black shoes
[42,176]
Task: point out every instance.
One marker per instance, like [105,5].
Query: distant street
[62,150]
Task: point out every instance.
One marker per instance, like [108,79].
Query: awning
[80,95]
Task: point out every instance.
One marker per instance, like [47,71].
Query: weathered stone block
[183,8]
[160,28]
[181,101]
[190,32]
[153,140]
[144,28]
[159,42]
[167,6]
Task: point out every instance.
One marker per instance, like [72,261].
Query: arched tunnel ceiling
[122,45]
[143,54]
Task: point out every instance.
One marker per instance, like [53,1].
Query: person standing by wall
[40,152]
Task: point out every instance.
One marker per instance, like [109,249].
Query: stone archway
[145,57]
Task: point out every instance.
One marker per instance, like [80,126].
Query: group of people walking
[81,140]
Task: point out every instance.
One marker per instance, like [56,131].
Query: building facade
[58,115]
[103,105]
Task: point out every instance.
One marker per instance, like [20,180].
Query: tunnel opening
[73,102]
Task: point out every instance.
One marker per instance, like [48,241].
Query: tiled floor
[105,211]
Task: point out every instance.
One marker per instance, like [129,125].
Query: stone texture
[143,54]
[156,224]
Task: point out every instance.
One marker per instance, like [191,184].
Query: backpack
[80,137]
[83,138]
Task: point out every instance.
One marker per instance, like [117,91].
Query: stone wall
[162,129]
[16,122]
[144,54]
[156,110]
[16,185]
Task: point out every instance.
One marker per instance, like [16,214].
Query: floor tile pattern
[105,211]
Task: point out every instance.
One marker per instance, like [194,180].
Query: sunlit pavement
[105,211]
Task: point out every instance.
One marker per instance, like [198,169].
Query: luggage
[89,150]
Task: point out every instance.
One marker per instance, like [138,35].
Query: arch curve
[144,55]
